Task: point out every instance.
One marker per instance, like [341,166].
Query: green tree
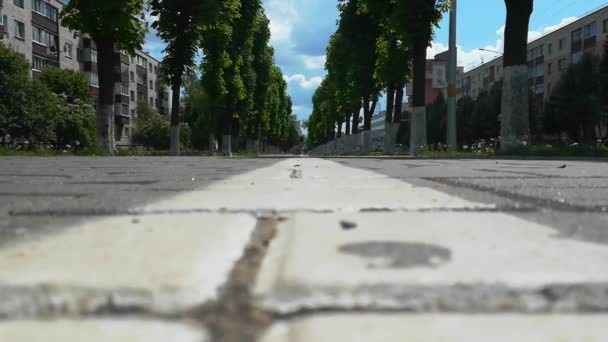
[68,82]
[14,80]
[112,24]
[575,104]
[180,24]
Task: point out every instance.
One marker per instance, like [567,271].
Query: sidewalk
[306,250]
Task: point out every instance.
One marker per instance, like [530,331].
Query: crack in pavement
[292,301]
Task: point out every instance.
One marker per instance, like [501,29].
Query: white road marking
[442,328]
[181,259]
[324,185]
[102,330]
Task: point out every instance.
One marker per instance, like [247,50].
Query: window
[152,101]
[125,110]
[590,30]
[93,56]
[79,54]
[67,49]
[141,61]
[605,23]
[150,67]
[540,89]
[126,131]
[40,36]
[93,79]
[141,98]
[141,79]
[549,88]
[44,9]
[19,30]
[562,64]
[132,96]
[549,67]
[132,77]
[577,35]
[37,63]
[18,3]
[576,57]
[124,89]
[549,48]
[1,17]
[155,70]
[151,85]
[530,55]
[563,43]
[133,114]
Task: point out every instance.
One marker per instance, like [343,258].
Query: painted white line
[180,259]
[103,330]
[321,185]
[313,252]
[442,328]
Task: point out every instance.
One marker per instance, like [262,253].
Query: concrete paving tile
[101,330]
[441,328]
[177,261]
[316,263]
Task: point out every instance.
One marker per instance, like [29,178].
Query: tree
[215,43]
[180,24]
[71,83]
[514,129]
[112,24]
[14,78]
[576,103]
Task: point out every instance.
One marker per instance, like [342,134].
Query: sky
[301,30]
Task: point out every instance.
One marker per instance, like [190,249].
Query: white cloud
[303,82]
[283,17]
[470,59]
[532,35]
[314,62]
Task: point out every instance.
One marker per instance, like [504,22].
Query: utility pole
[452,92]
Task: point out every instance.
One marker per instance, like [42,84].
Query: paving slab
[313,184]
[163,263]
[476,261]
[102,330]
[441,328]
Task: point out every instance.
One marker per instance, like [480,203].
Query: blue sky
[301,30]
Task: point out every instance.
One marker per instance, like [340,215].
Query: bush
[57,110]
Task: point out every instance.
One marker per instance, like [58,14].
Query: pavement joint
[535,201]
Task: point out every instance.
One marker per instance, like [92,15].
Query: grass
[557,151]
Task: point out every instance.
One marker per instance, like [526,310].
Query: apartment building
[436,78]
[548,56]
[32,28]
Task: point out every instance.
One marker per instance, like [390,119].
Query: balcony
[45,51]
[45,23]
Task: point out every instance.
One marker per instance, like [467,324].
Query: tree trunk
[515,124]
[418,124]
[174,129]
[356,113]
[212,143]
[347,125]
[367,115]
[398,104]
[339,134]
[105,109]
[390,103]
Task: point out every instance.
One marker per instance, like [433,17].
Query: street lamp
[496,52]
[452,91]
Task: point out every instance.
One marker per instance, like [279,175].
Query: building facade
[548,56]
[436,78]
[32,28]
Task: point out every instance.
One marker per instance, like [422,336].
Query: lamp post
[452,92]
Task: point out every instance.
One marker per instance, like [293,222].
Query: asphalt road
[302,249]
[570,196]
